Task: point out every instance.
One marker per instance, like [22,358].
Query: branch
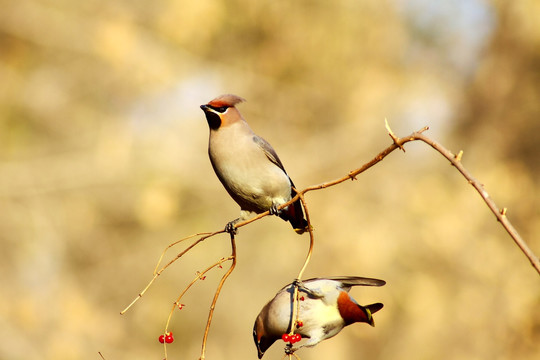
[455,160]
[398,143]
[216,295]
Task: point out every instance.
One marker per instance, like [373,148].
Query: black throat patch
[214,121]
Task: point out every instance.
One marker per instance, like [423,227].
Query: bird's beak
[260,352]
[204,107]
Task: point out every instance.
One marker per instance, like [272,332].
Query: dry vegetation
[103,163]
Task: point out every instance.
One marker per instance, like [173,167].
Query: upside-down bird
[324,308]
[247,166]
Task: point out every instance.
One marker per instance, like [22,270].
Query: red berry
[169,339]
[299,324]
[161,339]
[296,338]
[301,298]
[293,338]
[285,337]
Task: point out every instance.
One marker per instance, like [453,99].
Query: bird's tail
[372,309]
[295,215]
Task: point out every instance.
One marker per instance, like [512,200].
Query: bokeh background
[103,163]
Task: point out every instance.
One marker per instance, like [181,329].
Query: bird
[247,165]
[324,309]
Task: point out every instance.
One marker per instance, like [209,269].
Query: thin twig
[311,236]
[295,305]
[216,295]
[290,355]
[173,244]
[177,304]
[157,273]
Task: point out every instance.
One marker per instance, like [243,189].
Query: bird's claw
[231,228]
[273,210]
[289,350]
[300,285]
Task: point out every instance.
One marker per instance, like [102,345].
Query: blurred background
[103,163]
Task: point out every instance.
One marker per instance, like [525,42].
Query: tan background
[103,163]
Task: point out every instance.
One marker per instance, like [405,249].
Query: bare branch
[455,160]
[398,143]
[216,295]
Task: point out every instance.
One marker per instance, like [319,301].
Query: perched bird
[325,308]
[247,166]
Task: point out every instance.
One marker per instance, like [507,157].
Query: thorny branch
[398,143]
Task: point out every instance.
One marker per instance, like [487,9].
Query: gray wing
[349,281]
[268,151]
[346,283]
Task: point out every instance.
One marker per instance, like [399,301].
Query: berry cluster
[166,338]
[294,338]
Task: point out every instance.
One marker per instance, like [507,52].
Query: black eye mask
[220,109]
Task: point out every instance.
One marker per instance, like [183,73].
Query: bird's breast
[245,171]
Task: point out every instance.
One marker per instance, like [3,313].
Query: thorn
[458,156]
[425,128]
[394,137]
[352,176]
[503,211]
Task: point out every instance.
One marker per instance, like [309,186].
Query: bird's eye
[219,109]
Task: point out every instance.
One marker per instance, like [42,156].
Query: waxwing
[247,166]
[324,308]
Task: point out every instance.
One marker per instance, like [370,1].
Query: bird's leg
[230,227]
[300,285]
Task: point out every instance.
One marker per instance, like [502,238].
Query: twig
[295,305]
[216,295]
[311,236]
[177,304]
[157,273]
[290,355]
[175,243]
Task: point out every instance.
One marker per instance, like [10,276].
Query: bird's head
[221,111]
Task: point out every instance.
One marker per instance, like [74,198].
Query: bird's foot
[274,210]
[290,351]
[314,294]
[231,228]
